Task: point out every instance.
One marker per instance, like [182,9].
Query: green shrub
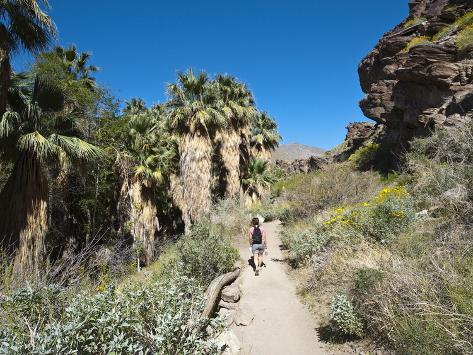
[386,216]
[43,305]
[365,156]
[303,243]
[344,316]
[205,255]
[366,278]
[387,219]
[149,318]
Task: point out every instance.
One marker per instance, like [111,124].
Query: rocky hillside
[420,74]
[295,151]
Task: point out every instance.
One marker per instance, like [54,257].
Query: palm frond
[8,123]
[76,148]
[30,27]
[36,144]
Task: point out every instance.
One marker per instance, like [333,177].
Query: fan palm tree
[135,105]
[69,69]
[264,137]
[72,63]
[151,154]
[24,25]
[258,179]
[194,116]
[31,140]
[237,105]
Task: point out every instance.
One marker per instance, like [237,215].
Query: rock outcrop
[301,165]
[420,74]
[358,133]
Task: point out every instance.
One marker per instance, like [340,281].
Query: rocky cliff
[308,165]
[420,74]
[358,134]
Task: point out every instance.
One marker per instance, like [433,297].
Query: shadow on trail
[328,334]
[251,262]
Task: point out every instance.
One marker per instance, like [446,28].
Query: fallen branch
[212,294]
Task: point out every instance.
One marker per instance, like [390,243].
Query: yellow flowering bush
[398,192]
[342,216]
[382,218]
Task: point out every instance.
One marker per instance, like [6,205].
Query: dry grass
[414,21]
[335,185]
[464,38]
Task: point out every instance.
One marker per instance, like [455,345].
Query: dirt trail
[282,325]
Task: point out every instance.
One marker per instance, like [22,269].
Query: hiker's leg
[260,261]
[255,259]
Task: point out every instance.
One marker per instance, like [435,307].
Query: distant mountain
[294,151]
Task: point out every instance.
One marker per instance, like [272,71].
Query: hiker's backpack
[257,236]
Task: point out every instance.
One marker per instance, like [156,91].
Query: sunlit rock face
[420,74]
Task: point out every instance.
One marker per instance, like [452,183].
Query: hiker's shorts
[257,248]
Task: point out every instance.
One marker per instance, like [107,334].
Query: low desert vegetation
[159,314]
[391,259]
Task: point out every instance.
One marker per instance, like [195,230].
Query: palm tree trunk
[261,153]
[123,198]
[193,195]
[245,150]
[5,71]
[24,222]
[229,146]
[144,219]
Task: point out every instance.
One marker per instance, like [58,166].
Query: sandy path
[282,325]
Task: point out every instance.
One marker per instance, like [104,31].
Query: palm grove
[74,170]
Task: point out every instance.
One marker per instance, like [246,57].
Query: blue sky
[299,57]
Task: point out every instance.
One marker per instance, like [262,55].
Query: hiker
[257,239]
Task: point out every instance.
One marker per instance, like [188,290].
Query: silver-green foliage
[302,244]
[151,318]
[344,316]
[205,255]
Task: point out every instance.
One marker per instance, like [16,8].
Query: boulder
[231,293]
[228,305]
[228,342]
[228,315]
[243,316]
